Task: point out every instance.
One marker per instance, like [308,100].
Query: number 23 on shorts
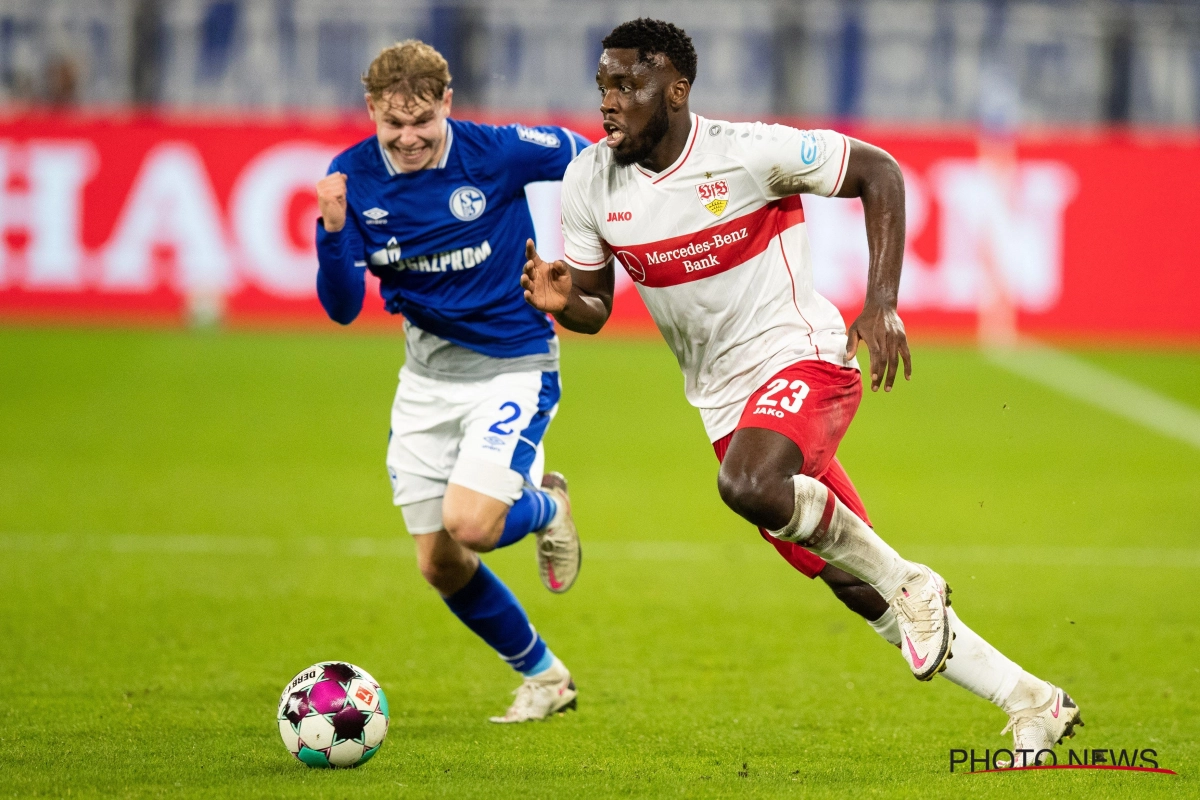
[767,404]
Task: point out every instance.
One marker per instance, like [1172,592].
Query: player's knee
[472,533]
[765,501]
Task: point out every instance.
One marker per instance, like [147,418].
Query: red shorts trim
[811,403]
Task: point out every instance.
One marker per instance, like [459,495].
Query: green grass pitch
[186,520]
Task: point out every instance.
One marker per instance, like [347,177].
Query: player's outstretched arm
[874,176]
[580,300]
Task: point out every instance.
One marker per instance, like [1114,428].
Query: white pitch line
[735,550]
[1077,378]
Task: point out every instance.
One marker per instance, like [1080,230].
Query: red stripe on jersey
[711,251]
[842,169]
[579,263]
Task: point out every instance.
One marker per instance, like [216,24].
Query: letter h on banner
[41,188]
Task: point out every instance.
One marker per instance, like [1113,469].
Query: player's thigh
[501,447]
[811,403]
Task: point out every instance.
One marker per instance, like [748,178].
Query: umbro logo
[620,216]
[375,216]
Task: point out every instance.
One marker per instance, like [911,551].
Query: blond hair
[411,69]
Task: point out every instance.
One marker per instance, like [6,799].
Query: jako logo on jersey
[714,195]
[467,203]
[620,216]
[375,216]
[448,260]
[544,138]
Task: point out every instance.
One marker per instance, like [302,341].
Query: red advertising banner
[120,218]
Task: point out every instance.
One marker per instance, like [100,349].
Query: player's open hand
[882,331]
[331,197]
[547,286]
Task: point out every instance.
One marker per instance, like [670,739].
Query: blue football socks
[486,606]
[532,512]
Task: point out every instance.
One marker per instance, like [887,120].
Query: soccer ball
[333,714]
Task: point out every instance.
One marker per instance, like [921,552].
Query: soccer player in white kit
[707,219]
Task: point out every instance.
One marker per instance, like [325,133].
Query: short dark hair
[653,36]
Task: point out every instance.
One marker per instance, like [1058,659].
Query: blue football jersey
[448,243]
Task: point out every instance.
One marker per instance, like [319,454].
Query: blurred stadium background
[157,156]
[922,61]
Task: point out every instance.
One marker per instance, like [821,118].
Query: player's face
[411,129]
[633,100]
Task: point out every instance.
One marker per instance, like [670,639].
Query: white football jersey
[717,246]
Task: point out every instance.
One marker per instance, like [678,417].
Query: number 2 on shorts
[499,426]
[791,404]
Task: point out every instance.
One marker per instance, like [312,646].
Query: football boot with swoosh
[925,636]
[1038,729]
[558,550]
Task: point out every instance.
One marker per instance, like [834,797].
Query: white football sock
[822,523]
[979,667]
[887,627]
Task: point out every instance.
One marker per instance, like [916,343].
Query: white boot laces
[921,613]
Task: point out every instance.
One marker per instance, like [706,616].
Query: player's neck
[669,149]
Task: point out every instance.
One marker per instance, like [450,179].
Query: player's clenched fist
[331,197]
[547,286]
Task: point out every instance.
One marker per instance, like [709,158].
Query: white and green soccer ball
[333,714]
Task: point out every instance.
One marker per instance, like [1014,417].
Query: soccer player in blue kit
[435,207]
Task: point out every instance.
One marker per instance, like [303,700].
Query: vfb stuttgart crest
[714,195]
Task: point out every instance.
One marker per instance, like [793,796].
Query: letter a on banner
[172,202]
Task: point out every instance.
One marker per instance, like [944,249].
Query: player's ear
[678,92]
[447,100]
[370,105]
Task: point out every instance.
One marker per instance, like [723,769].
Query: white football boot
[558,550]
[1040,728]
[925,635]
[542,696]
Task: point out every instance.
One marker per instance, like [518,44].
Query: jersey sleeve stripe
[837,185]
[584,264]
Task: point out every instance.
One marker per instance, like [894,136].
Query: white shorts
[482,435]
